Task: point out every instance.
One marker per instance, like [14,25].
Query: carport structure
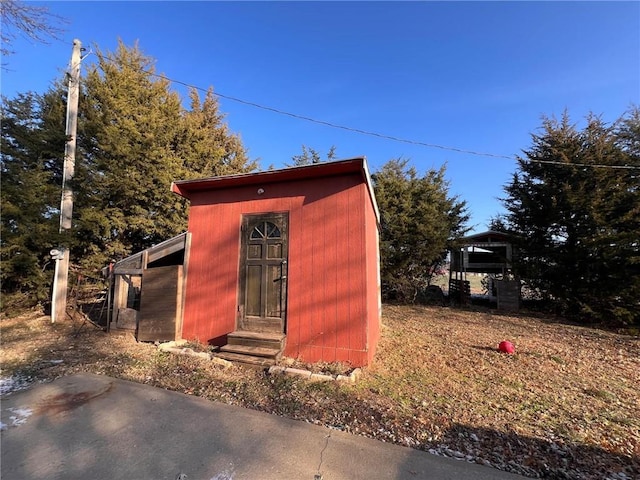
[490,253]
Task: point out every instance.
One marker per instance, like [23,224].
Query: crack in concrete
[318,476]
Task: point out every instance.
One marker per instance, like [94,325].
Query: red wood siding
[332,304]
[374,301]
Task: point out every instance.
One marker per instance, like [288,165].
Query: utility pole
[61,254]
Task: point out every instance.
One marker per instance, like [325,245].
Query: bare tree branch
[31,21]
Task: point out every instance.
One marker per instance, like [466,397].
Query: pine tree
[31,151]
[134,139]
[207,147]
[310,155]
[138,139]
[420,221]
[577,220]
[130,123]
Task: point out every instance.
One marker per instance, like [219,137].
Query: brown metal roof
[490,236]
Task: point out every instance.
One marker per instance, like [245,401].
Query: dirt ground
[565,405]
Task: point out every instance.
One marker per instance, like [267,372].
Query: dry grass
[569,392]
[566,405]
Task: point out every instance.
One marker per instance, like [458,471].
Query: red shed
[285,261]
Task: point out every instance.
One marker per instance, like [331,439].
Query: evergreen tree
[310,156]
[134,139]
[207,147]
[31,151]
[420,221]
[137,138]
[578,221]
[130,124]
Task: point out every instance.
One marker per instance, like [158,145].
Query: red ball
[506,347]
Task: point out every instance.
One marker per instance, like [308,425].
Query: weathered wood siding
[508,295]
[332,300]
[160,304]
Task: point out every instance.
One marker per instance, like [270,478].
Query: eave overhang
[186,188]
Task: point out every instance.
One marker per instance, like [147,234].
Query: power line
[593,165]
[387,137]
[334,125]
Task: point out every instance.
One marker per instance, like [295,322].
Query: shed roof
[154,253]
[185,188]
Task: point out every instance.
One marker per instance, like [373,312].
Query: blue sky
[474,76]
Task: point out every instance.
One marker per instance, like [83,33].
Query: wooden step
[249,360]
[252,351]
[261,335]
[256,349]
[256,339]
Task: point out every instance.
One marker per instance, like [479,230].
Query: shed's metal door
[263,272]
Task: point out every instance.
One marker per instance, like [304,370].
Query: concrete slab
[94,427]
